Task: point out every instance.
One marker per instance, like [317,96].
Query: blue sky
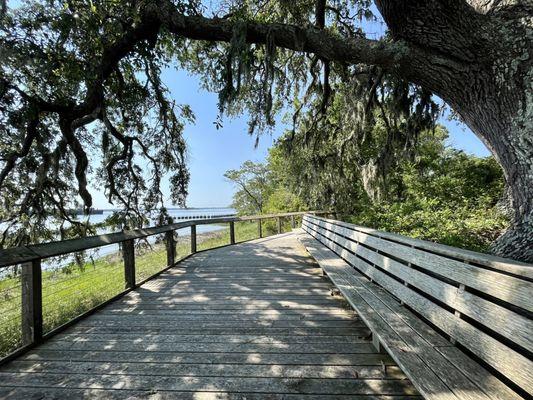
[212,152]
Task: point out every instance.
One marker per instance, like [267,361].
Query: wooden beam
[279,224]
[170,243]
[24,254]
[31,292]
[193,238]
[259,228]
[232,232]
[128,253]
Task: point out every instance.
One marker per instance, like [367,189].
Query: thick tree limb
[82,161]
[309,40]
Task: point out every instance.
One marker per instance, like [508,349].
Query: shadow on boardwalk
[251,321]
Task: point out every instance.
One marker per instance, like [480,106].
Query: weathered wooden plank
[198,370]
[241,384]
[419,326]
[363,346]
[204,298]
[202,284]
[230,324]
[304,313]
[512,364]
[237,330]
[491,385]
[193,318]
[231,291]
[60,393]
[498,263]
[311,305]
[502,320]
[510,289]
[174,338]
[286,358]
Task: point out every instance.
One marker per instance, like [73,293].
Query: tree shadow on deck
[254,320]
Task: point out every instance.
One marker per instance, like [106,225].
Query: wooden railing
[30,258]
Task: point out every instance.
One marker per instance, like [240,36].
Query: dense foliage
[439,194]
[90,112]
[83,106]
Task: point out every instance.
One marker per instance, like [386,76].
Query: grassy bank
[73,289]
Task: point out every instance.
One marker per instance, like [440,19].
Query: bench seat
[436,366]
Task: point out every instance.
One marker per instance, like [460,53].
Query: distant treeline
[436,192]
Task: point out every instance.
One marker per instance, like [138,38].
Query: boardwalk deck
[251,321]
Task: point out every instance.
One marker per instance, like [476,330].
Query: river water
[176,213]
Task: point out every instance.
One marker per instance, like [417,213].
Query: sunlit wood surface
[252,321]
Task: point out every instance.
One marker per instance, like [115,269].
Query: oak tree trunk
[479,59]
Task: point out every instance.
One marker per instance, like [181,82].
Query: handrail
[25,254]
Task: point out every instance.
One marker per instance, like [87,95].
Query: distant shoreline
[173,208]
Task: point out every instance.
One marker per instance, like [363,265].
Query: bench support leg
[376,343]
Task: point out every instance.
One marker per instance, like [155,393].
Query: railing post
[279,224]
[193,238]
[128,253]
[293,222]
[259,228]
[232,232]
[32,302]
[171,248]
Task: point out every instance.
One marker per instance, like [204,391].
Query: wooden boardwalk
[251,321]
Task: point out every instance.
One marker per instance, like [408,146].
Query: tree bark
[480,60]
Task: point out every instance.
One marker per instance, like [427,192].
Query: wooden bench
[457,322]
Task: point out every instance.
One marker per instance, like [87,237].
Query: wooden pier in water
[327,312]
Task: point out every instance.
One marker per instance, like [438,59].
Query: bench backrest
[482,303]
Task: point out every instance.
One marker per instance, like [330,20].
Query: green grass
[70,291]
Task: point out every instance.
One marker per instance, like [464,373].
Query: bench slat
[507,265]
[507,288]
[457,370]
[510,363]
[357,290]
[500,319]
[484,379]
[424,379]
[446,371]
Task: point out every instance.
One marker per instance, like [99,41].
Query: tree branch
[310,40]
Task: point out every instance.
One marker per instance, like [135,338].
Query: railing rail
[24,254]
[30,259]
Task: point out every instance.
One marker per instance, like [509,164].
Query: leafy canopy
[439,194]
[83,105]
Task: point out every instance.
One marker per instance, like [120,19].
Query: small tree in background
[253,187]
